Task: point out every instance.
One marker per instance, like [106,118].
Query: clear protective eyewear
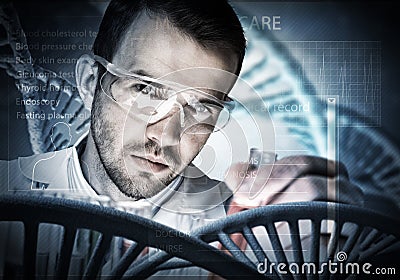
[152,100]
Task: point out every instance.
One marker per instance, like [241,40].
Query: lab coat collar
[196,193]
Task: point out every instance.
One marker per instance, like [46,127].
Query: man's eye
[140,88]
[200,108]
[149,89]
[130,86]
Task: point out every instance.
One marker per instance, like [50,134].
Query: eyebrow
[143,73]
[215,93]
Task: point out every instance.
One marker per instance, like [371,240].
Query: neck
[96,175]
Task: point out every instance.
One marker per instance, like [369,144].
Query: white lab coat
[184,206]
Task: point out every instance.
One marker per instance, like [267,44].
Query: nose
[167,131]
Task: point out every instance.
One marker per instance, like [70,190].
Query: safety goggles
[152,100]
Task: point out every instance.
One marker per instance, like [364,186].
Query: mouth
[156,165]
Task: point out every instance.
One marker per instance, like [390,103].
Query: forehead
[153,47]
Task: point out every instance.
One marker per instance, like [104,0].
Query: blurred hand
[291,179]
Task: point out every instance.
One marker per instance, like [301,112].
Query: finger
[316,188]
[287,170]
[275,178]
[270,180]
[296,166]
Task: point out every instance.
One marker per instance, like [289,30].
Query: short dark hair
[211,23]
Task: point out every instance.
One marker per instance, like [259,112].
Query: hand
[292,179]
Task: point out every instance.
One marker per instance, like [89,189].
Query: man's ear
[86,73]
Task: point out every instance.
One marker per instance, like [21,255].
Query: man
[141,149]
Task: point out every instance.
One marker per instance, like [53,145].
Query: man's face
[141,157]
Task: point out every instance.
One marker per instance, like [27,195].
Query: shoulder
[10,176]
[203,191]
[196,180]
[20,174]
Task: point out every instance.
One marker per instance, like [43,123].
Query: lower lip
[143,163]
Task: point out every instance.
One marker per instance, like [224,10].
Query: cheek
[115,120]
[191,145]
[109,120]
[133,130]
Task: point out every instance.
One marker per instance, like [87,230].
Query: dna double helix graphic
[372,159]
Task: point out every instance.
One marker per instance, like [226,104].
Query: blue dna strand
[37,83]
[269,67]
[372,159]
